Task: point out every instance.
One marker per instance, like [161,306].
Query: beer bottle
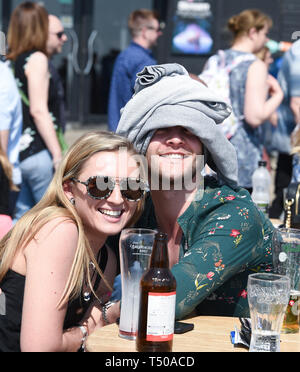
[157,301]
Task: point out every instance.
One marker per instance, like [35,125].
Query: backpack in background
[216,74]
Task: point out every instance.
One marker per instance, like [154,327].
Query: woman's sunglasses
[59,34]
[101,187]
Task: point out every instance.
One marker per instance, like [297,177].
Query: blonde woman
[56,272]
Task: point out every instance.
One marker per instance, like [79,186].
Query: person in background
[11,120]
[216,235]
[288,126]
[56,272]
[6,186]
[56,40]
[145,30]
[295,152]
[266,56]
[40,150]
[254,96]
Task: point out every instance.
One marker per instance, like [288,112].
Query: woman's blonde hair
[8,169]
[242,23]
[56,204]
[28,30]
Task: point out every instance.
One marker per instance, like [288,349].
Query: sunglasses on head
[101,187]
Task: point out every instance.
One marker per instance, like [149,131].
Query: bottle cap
[262,163]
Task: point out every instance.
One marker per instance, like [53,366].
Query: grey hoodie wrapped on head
[166,96]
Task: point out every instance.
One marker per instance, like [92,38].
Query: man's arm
[5,111]
[230,239]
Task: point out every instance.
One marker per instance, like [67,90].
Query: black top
[4,192]
[11,305]
[32,142]
[59,97]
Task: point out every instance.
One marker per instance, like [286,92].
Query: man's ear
[68,189]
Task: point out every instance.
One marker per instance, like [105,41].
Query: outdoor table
[210,334]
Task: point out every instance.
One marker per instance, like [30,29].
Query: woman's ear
[252,33]
[68,187]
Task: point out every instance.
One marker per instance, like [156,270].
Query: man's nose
[175,137]
[175,140]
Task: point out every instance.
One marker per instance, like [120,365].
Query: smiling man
[216,235]
[174,156]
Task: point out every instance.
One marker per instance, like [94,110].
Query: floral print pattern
[225,238]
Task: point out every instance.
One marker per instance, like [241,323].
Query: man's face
[173,157]
[153,32]
[57,37]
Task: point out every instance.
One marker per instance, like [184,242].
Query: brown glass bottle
[157,302]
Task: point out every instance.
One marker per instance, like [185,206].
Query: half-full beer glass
[286,260]
[135,252]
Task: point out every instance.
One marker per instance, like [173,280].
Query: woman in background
[40,151]
[254,95]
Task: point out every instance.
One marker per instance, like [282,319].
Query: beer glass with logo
[268,297]
[135,252]
[286,259]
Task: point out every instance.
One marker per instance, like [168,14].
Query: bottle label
[263,207]
[161,316]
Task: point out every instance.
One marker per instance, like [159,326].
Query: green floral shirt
[225,238]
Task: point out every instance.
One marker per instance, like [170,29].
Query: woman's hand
[56,161]
[112,314]
[274,87]
[274,119]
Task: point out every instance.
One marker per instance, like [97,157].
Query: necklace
[87,294]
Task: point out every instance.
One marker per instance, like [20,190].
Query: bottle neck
[159,256]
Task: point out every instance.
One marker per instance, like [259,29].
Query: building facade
[97,32]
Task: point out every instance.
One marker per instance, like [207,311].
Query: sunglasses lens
[132,189]
[100,187]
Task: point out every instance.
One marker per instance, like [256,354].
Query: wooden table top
[210,334]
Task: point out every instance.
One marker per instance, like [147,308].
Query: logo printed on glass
[268,295]
[140,248]
[2,44]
